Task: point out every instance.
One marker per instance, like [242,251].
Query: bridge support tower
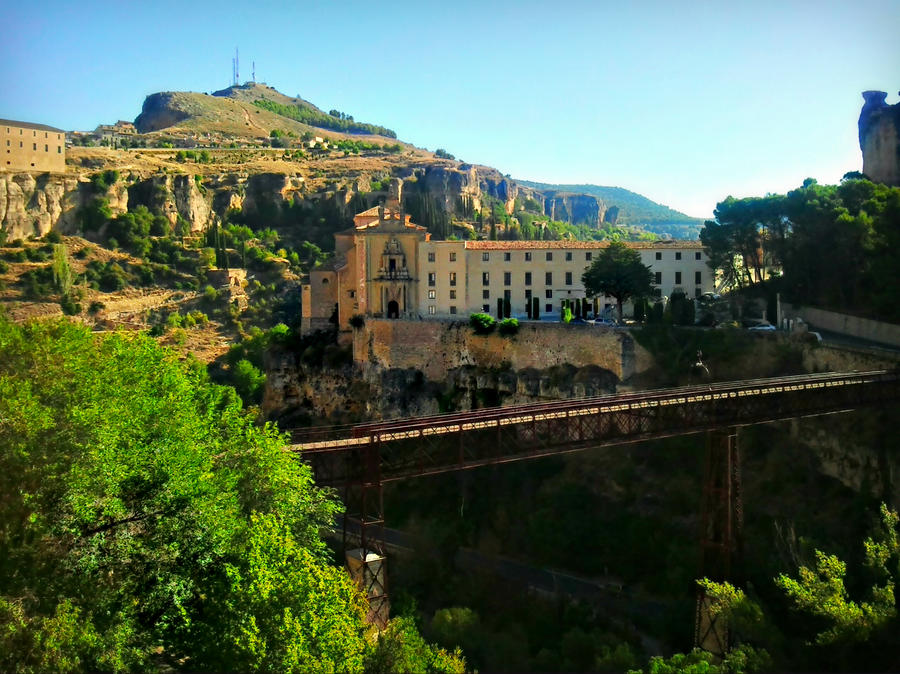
[721,521]
[364,519]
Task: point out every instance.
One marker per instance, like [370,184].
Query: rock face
[449,184]
[33,205]
[879,138]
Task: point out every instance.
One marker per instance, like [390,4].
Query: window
[485,278]
[352,294]
[568,278]
[698,291]
[486,308]
[452,257]
[527,257]
[549,256]
[432,278]
[698,277]
[507,278]
[568,257]
[548,278]
[452,309]
[507,295]
[658,255]
[548,308]
[698,255]
[34,146]
[46,148]
[485,257]
[431,309]
[528,295]
[59,150]
[548,294]
[678,256]
[588,256]
[452,294]
[485,294]
[677,278]
[507,257]
[431,294]
[528,278]
[657,278]
[431,257]
[452,278]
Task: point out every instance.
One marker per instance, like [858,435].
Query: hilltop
[249,112]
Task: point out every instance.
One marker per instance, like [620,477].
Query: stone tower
[879,138]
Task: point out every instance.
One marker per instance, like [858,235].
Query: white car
[767,327]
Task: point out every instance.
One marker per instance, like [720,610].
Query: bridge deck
[341,438]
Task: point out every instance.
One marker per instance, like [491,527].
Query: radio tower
[237,66]
[253,72]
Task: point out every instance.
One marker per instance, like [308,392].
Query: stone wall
[436,347]
[864,328]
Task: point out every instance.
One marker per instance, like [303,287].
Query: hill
[250,111]
[634,210]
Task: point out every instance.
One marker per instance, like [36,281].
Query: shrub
[53,237]
[3,267]
[509,326]
[96,307]
[69,306]
[210,294]
[483,324]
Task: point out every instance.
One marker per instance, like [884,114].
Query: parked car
[768,327]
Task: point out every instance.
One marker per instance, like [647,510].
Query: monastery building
[386,266]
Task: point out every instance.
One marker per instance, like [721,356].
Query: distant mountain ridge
[633,209]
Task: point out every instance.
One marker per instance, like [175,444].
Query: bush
[509,326]
[96,307]
[248,381]
[69,306]
[53,237]
[3,267]
[483,324]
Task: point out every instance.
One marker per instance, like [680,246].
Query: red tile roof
[589,245]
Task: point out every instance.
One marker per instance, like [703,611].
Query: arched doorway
[393,309]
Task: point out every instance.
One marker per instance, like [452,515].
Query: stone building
[387,266]
[879,138]
[32,148]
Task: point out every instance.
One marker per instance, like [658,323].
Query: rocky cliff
[879,138]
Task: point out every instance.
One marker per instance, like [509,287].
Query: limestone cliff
[879,138]
[33,205]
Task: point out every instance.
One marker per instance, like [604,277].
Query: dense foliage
[309,115]
[836,244]
[147,523]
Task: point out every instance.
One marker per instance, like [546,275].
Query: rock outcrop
[879,138]
[158,112]
[33,205]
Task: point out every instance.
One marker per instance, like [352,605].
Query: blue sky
[684,102]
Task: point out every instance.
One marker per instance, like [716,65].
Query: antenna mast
[253,72]
[237,66]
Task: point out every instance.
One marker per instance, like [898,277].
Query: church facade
[386,266]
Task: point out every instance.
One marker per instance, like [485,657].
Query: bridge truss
[361,458]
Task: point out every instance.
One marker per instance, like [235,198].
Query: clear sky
[684,102]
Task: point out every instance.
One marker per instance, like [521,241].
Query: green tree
[617,271]
[822,592]
[148,523]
